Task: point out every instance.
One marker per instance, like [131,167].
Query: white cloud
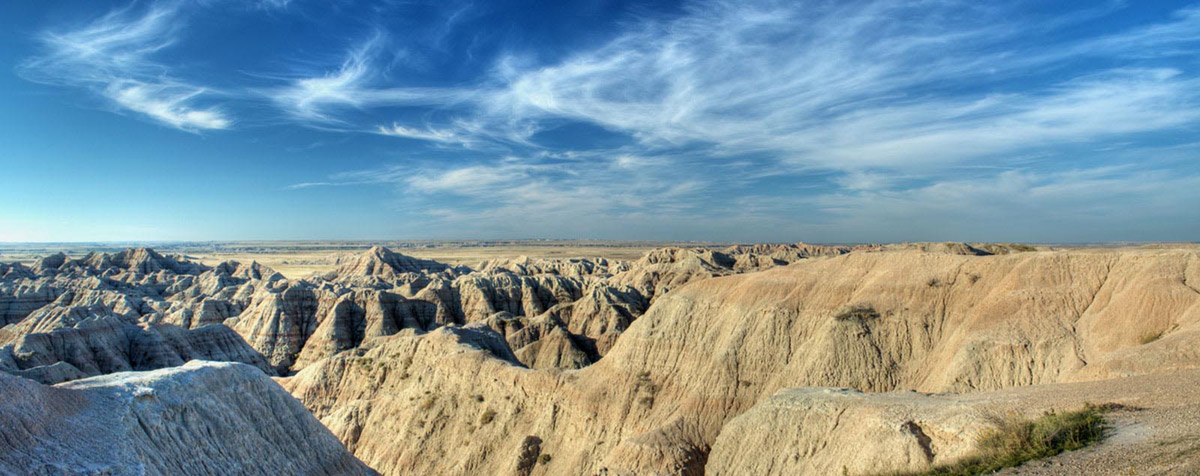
[785,116]
[850,86]
[352,85]
[841,86]
[112,57]
[167,104]
[428,133]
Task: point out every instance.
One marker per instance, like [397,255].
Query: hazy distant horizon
[761,121]
[493,241]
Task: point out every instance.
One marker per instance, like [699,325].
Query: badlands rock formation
[133,310]
[199,418]
[665,365]
[564,313]
[710,350]
[137,310]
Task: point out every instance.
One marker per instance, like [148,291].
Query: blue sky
[823,121]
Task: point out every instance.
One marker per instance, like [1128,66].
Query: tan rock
[714,348]
[200,418]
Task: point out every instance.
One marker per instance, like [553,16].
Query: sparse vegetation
[857,312]
[428,402]
[1015,440]
[544,459]
[933,282]
[487,417]
[647,388]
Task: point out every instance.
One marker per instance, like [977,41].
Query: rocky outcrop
[359,315]
[455,383]
[709,351]
[20,295]
[574,267]
[659,271]
[380,262]
[583,305]
[843,431]
[599,317]
[278,324]
[106,344]
[762,256]
[199,418]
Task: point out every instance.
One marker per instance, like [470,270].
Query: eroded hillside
[593,366]
[139,310]
[712,349]
[200,418]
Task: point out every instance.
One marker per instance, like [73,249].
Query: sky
[753,121]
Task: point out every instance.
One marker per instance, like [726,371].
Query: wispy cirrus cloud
[514,193]
[762,114]
[113,57]
[826,84]
[836,108]
[445,136]
[354,84]
[855,85]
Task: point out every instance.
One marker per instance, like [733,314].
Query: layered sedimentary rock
[525,265]
[279,323]
[199,418]
[380,292]
[583,304]
[761,256]
[106,344]
[661,366]
[383,263]
[710,350]
[102,313]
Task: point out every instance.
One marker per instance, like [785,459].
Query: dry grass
[1150,337]
[647,388]
[857,312]
[1015,440]
[487,417]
